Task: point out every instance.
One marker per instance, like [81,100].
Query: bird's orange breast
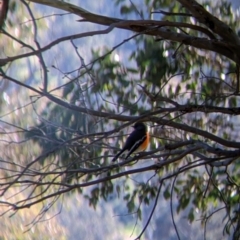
[144,145]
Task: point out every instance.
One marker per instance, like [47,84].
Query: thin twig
[172,13]
[153,210]
[171,207]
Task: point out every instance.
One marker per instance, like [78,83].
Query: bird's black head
[139,126]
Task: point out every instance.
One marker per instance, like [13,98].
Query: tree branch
[217,26]
[227,48]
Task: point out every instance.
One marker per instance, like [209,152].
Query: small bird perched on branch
[137,141]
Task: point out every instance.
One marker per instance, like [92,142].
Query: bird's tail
[116,157]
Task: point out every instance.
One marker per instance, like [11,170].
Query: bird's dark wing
[134,140]
[116,157]
[136,144]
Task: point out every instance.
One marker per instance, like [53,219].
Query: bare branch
[217,26]
[156,28]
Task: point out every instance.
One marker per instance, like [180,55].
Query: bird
[137,141]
